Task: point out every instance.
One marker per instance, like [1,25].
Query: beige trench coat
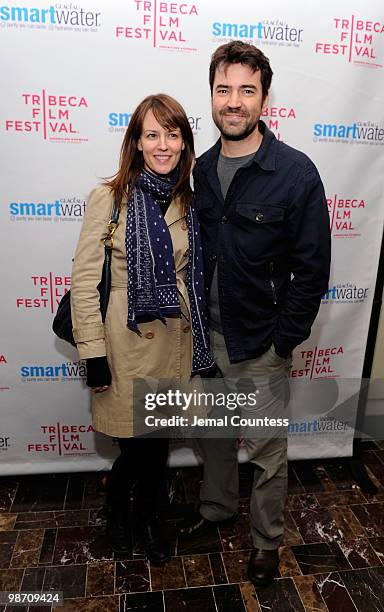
[163,351]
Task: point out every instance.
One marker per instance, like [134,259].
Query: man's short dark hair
[238,52]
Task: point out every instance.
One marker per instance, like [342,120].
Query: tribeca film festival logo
[63,372]
[275,115]
[345,215]
[3,361]
[358,132]
[48,291]
[118,122]
[160,23]
[345,293]
[51,116]
[64,16]
[63,209]
[63,440]
[356,40]
[319,362]
[263,32]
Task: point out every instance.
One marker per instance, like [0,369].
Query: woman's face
[161,147]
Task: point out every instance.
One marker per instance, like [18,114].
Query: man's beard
[248,129]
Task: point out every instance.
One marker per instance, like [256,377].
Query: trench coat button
[149,335]
[224,219]
[186,329]
[183,225]
[259,217]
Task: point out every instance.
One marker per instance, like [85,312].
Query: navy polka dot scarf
[152,288]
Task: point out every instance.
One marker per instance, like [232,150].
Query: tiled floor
[52,538]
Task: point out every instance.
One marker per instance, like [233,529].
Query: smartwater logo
[267,31]
[345,293]
[359,132]
[321,425]
[4,443]
[63,372]
[64,209]
[61,16]
[117,122]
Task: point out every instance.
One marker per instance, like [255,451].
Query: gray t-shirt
[226,170]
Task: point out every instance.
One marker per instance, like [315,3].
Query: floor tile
[77,545]
[40,492]
[320,558]
[366,588]
[169,576]
[228,598]
[210,543]
[27,549]
[194,600]
[281,595]
[197,571]
[249,597]
[288,565]
[217,568]
[8,488]
[236,564]
[371,517]
[377,543]
[310,594]
[236,535]
[69,579]
[302,501]
[100,579]
[33,579]
[7,522]
[48,547]
[90,604]
[340,498]
[7,543]
[10,579]
[142,602]
[307,476]
[334,592]
[291,533]
[359,553]
[50,520]
[132,577]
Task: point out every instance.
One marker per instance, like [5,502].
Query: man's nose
[234,99]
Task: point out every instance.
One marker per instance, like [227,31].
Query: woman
[156,323]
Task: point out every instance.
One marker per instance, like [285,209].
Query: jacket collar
[173,213]
[265,156]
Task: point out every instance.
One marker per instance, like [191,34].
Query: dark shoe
[197,526]
[119,532]
[153,536]
[263,566]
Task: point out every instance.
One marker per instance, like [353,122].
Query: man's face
[237,101]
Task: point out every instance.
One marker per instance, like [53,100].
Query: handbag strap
[112,225]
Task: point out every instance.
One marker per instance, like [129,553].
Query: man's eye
[222,91]
[248,92]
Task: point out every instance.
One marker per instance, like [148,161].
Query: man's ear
[265,102]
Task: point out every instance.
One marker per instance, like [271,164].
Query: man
[266,241]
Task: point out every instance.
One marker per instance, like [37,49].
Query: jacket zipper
[271,282]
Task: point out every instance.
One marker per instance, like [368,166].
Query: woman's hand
[99,389]
[99,375]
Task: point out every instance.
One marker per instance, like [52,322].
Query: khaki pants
[266,451]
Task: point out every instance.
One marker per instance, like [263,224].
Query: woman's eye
[173,135]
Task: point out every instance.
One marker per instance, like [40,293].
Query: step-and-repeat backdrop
[72,73]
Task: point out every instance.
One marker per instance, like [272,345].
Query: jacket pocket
[261,214]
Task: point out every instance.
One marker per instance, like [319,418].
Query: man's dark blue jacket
[270,239]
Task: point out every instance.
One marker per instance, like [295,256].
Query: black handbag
[62,323]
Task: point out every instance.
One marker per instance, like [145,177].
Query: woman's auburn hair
[171,115]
